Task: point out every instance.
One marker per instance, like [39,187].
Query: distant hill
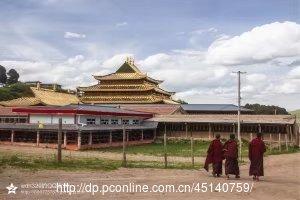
[297,113]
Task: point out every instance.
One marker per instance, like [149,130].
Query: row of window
[112,121]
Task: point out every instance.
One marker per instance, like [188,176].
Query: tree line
[266,109]
[8,78]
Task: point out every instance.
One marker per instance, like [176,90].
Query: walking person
[215,156]
[257,148]
[231,157]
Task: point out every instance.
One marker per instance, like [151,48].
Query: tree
[266,109]
[181,101]
[13,76]
[3,77]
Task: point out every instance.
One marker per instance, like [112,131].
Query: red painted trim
[74,111]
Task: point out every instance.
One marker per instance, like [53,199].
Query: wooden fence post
[59,140]
[38,138]
[192,150]
[124,162]
[165,146]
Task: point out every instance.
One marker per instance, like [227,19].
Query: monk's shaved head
[232,136]
[258,134]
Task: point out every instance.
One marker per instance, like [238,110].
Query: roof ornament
[130,60]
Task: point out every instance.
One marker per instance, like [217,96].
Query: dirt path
[91,154]
[281,181]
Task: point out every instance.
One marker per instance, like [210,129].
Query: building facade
[84,127]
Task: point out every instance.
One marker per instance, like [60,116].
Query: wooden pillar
[279,138]
[142,135]
[90,138]
[110,137]
[79,140]
[259,128]
[12,136]
[251,136]
[209,131]
[286,141]
[165,146]
[233,129]
[65,139]
[38,138]
[154,134]
[127,138]
[270,141]
[186,130]
[124,162]
[291,135]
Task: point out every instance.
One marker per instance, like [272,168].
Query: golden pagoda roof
[43,97]
[23,101]
[123,99]
[127,76]
[50,97]
[124,87]
[128,71]
[110,88]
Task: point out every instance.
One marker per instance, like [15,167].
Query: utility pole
[239,113]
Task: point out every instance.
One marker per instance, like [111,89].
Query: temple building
[128,85]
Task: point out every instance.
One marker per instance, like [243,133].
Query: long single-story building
[83,127]
[97,126]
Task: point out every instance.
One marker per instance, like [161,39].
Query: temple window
[90,121]
[125,121]
[104,121]
[135,121]
[114,121]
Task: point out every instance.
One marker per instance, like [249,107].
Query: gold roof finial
[127,59]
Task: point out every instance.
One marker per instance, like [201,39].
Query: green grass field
[182,148]
[83,164]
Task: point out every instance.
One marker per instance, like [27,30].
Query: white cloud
[261,44]
[116,60]
[70,35]
[295,73]
[121,24]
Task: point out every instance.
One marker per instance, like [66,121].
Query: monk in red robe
[215,156]
[230,149]
[256,156]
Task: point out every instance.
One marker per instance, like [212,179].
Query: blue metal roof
[212,107]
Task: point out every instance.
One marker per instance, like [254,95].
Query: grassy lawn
[174,148]
[182,148]
[86,164]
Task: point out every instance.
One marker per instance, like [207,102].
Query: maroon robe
[214,156]
[256,156]
[231,155]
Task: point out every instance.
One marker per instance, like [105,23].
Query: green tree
[13,76]
[14,91]
[181,101]
[3,77]
[266,109]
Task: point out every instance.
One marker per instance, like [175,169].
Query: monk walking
[215,156]
[256,156]
[231,155]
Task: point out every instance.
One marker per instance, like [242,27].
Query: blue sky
[206,40]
